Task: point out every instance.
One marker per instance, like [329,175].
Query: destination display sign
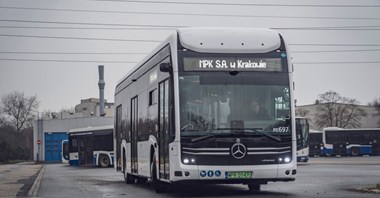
[232,64]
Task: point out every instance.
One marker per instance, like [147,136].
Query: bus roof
[218,39]
[236,40]
[91,129]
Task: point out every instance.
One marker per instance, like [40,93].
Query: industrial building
[50,130]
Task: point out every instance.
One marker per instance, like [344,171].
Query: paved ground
[322,177]
[17,179]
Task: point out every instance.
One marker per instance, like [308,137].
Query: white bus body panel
[234,40]
[143,151]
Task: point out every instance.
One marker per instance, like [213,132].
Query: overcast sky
[335,44]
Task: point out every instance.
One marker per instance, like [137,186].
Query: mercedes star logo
[238,150]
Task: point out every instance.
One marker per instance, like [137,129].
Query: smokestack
[101,90]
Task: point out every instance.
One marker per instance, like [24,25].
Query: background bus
[353,142]
[315,143]
[65,151]
[212,105]
[302,134]
[92,146]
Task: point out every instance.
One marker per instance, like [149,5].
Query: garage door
[53,147]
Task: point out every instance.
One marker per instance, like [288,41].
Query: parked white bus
[91,146]
[212,105]
[302,133]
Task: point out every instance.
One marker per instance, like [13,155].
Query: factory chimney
[101,90]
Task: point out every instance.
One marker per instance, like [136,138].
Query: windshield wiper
[235,131]
[239,130]
[202,138]
[278,139]
[209,136]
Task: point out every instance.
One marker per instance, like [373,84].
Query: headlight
[186,161]
[287,159]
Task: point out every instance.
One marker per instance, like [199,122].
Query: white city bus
[212,105]
[302,133]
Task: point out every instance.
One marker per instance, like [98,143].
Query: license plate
[239,175]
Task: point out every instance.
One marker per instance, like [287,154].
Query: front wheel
[128,178]
[159,186]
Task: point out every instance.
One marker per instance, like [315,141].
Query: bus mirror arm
[165,67]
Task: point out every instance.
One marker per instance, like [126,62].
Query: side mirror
[165,67]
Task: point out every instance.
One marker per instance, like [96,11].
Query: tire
[104,161]
[159,186]
[128,178]
[355,151]
[254,187]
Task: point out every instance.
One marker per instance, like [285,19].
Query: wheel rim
[355,151]
[105,160]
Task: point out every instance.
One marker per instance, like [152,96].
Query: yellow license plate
[239,175]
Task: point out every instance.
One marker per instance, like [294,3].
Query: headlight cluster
[284,160]
[188,160]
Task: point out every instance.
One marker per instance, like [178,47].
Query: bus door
[164,127]
[376,143]
[65,150]
[134,131]
[86,150]
[315,141]
[339,146]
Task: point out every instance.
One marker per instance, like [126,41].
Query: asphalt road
[321,177]
[17,179]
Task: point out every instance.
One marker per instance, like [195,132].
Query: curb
[36,185]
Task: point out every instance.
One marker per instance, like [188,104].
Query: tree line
[334,110]
[17,113]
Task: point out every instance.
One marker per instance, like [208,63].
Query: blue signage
[210,173]
[218,173]
[202,173]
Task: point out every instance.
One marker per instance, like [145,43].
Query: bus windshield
[213,102]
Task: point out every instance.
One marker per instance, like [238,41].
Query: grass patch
[373,189]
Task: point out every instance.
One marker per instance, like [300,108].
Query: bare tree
[334,110]
[376,104]
[19,110]
[302,112]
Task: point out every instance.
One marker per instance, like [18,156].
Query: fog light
[287,159]
[186,161]
[287,172]
[187,173]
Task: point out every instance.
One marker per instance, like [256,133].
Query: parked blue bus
[351,142]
